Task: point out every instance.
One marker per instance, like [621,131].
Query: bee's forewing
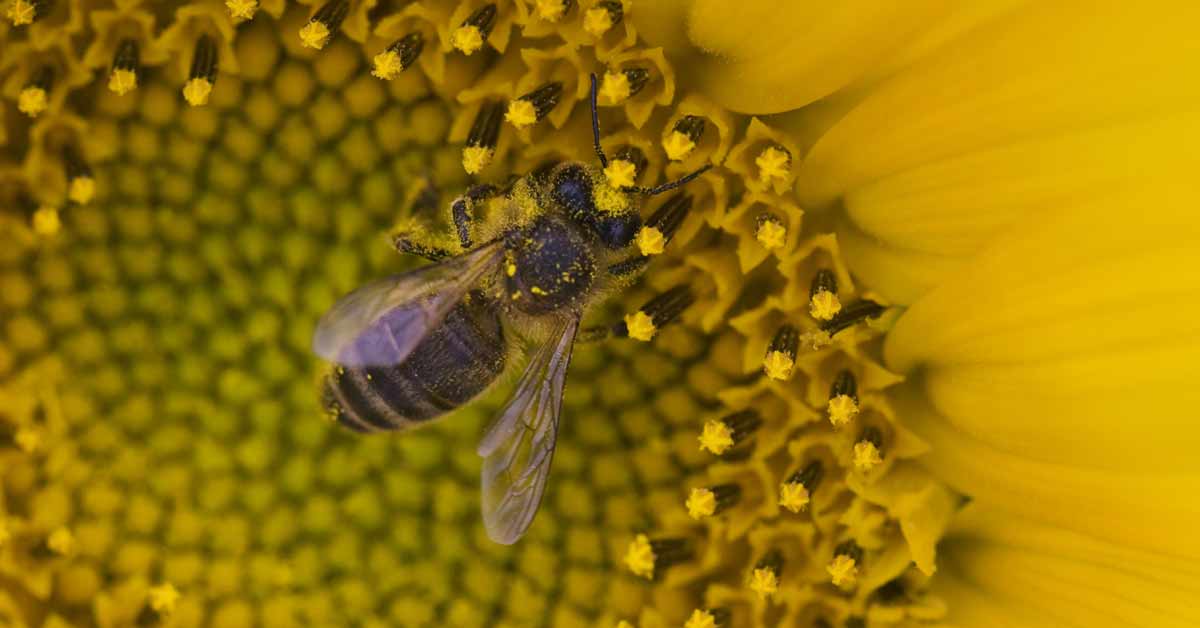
[382,322]
[519,444]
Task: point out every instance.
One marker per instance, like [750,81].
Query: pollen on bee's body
[481,141]
[203,73]
[398,57]
[123,77]
[868,451]
[684,135]
[599,19]
[843,399]
[780,359]
[843,569]
[554,10]
[797,491]
[534,106]
[764,578]
[712,500]
[470,36]
[823,303]
[648,558]
[35,96]
[851,314]
[81,185]
[241,10]
[324,23]
[721,435]
[617,87]
[709,618]
[770,231]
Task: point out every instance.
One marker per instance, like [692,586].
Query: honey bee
[412,347]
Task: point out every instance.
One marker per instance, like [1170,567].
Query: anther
[773,162]
[617,87]
[852,314]
[868,451]
[203,73]
[823,303]
[161,602]
[653,238]
[625,166]
[554,10]
[81,185]
[709,618]
[124,75]
[657,312]
[324,23]
[481,141]
[399,56]
[781,353]
[770,231]
[764,579]
[681,141]
[45,221]
[843,569]
[710,501]
[242,10]
[35,96]
[534,106]
[843,399]
[25,12]
[721,435]
[473,33]
[796,492]
[647,558]
[602,17]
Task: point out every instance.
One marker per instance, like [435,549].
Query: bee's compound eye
[618,230]
[573,190]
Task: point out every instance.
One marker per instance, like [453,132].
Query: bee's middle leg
[405,244]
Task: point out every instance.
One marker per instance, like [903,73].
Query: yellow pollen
[21,12]
[793,496]
[650,241]
[387,65]
[678,145]
[511,269]
[551,10]
[866,455]
[32,101]
[640,326]
[468,39]
[716,437]
[538,291]
[314,35]
[772,164]
[163,598]
[196,91]
[242,9]
[61,542]
[27,440]
[701,619]
[46,221]
[764,582]
[778,365]
[609,200]
[476,158]
[771,234]
[842,571]
[621,173]
[521,113]
[122,82]
[816,339]
[701,503]
[824,305]
[841,409]
[615,87]
[597,21]
[640,557]
[82,190]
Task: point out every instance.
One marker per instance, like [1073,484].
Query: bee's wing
[519,444]
[382,322]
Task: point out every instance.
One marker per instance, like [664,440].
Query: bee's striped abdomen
[457,361]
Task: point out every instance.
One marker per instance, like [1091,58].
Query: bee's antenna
[671,185]
[596,125]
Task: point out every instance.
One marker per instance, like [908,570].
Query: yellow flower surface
[936,364]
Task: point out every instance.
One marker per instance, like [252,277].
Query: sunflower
[937,371]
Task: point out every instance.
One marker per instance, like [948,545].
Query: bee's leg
[462,210]
[644,323]
[405,244]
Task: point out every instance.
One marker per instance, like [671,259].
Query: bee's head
[592,203]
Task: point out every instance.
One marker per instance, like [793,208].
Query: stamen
[843,569]
[796,492]
[781,354]
[653,238]
[124,76]
[324,23]
[709,618]
[60,542]
[617,87]
[657,312]
[45,221]
[706,502]
[626,267]
[721,435]
[843,399]
[681,141]
[770,231]
[534,106]
[602,17]
[399,56]
[203,74]
[81,186]
[242,10]
[648,558]
[851,314]
[773,162]
[823,303]
[473,33]
[868,451]
[764,579]
[161,602]
[553,10]
[626,165]
[481,141]
[35,97]
[25,12]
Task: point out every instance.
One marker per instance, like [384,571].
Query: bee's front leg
[462,210]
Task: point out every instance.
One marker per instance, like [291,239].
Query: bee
[410,348]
